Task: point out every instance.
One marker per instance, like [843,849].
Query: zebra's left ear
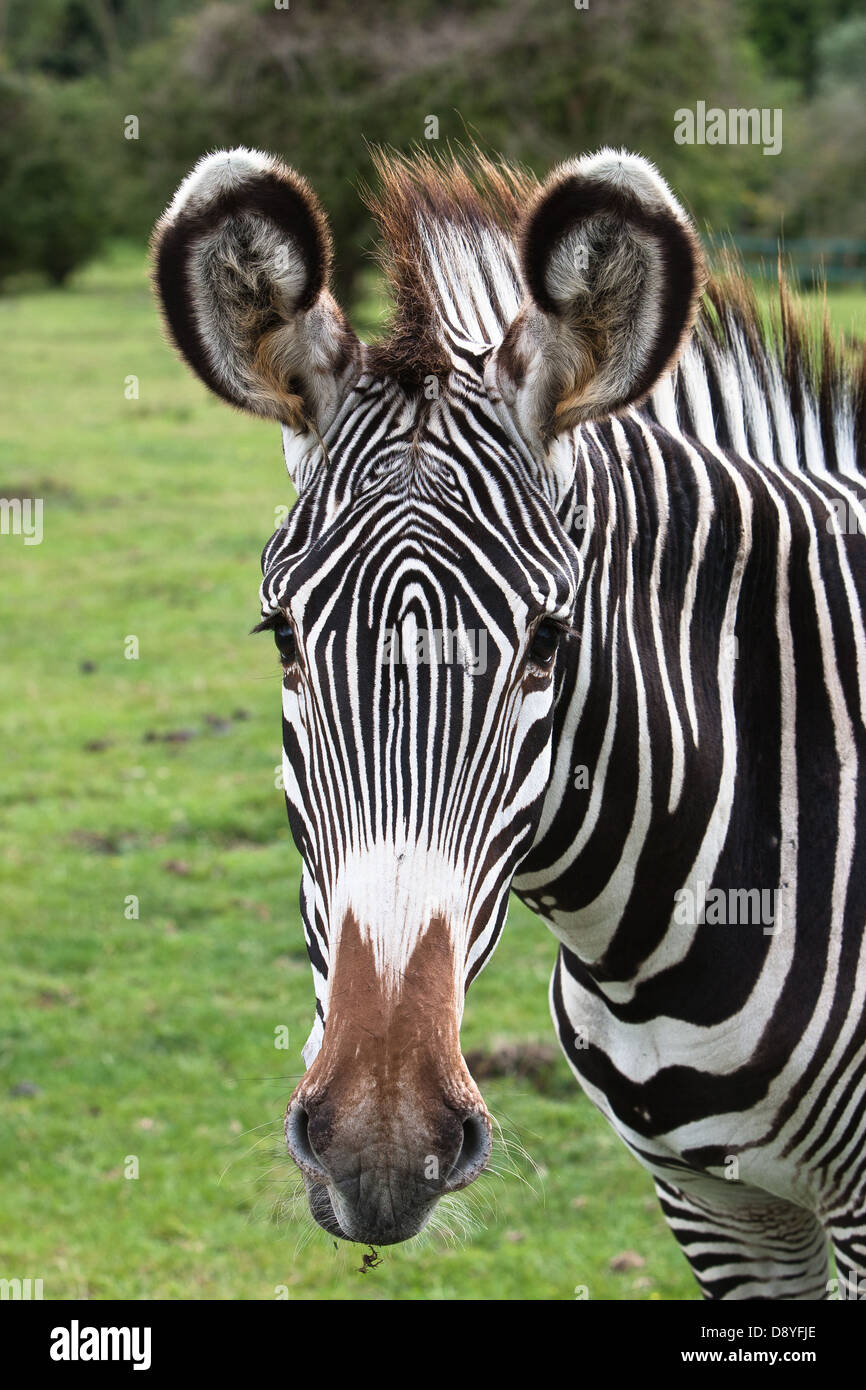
[242,256]
[615,273]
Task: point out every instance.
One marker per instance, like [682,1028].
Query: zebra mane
[767,383]
[448,249]
[756,382]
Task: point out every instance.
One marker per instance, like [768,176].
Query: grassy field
[147,1042]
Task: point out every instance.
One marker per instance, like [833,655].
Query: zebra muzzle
[388,1119]
[376,1182]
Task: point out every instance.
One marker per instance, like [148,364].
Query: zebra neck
[677,542]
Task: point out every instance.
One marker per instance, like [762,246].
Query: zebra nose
[459,1159]
[383,1173]
[299,1143]
[474,1153]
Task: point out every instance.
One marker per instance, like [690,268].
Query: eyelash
[279,625]
[554,630]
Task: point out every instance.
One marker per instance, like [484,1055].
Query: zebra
[574,442]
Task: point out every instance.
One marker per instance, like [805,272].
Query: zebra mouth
[322,1210]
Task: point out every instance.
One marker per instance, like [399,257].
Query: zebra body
[661,751]
[723,732]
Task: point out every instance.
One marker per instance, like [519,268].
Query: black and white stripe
[497,467]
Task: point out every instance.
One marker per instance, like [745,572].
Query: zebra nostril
[298,1139]
[474,1152]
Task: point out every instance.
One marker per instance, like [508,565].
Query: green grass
[153,1037]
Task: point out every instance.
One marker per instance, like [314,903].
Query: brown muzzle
[388,1118]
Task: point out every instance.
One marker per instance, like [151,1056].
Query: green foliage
[318,86]
[536,82]
[51,217]
[788,34]
[825,190]
[153,1036]
[842,55]
[74,38]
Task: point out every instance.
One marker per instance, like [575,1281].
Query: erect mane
[448,226]
[448,250]
[782,389]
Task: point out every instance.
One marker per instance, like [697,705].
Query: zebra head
[422,591]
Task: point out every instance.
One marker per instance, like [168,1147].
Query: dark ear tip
[239,182]
[612,185]
[561,209]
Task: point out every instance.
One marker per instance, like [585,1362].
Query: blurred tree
[52,219]
[537,82]
[841,55]
[788,33]
[73,38]
[825,190]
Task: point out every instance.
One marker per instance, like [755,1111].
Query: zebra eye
[285,640]
[545,641]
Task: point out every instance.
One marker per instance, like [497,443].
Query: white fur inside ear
[569,275]
[565,278]
[609,312]
[262,257]
[215,174]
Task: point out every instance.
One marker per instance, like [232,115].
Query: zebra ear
[242,256]
[615,274]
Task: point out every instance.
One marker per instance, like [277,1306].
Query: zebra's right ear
[242,256]
[614,272]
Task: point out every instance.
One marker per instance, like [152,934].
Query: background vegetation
[152,1037]
[536,81]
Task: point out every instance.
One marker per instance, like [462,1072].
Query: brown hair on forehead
[420,195]
[467,193]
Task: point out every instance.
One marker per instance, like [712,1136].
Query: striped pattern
[435,799]
[677,793]
[713,689]
[718,700]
